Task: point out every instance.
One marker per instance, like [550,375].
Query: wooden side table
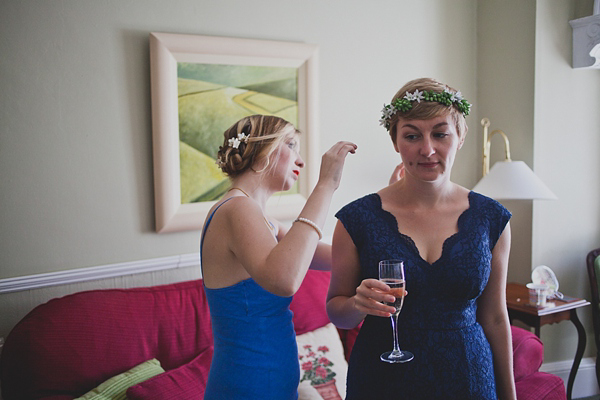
[517,302]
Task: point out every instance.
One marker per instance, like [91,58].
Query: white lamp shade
[513,180]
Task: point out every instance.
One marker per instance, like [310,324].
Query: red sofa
[70,345]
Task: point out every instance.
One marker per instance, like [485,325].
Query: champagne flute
[391,272]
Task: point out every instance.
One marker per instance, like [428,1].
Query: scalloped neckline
[460,222]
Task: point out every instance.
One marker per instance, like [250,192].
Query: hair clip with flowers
[447,97]
[235,142]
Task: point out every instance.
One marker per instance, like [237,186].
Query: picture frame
[168,52]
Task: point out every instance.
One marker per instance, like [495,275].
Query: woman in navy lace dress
[454,244]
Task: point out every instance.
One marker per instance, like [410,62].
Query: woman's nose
[427,148]
[300,161]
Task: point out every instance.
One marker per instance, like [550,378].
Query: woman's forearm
[343,313]
[499,337]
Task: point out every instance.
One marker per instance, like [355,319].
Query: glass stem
[394,318]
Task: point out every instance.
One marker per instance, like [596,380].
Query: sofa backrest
[71,344]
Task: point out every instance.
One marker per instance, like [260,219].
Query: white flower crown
[447,97]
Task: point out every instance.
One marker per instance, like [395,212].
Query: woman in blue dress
[455,245]
[252,266]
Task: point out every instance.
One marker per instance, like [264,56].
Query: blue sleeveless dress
[453,359]
[255,352]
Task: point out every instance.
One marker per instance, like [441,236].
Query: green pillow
[115,387]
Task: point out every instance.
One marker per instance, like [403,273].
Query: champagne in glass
[391,272]
[396,290]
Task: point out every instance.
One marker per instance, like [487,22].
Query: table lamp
[508,179]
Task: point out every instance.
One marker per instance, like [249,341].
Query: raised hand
[397,174]
[332,163]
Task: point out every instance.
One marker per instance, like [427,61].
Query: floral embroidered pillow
[323,367]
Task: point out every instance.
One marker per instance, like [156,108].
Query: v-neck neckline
[394,224]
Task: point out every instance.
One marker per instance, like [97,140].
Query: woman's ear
[462,139]
[394,136]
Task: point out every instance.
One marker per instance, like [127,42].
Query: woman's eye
[410,137]
[292,145]
[440,135]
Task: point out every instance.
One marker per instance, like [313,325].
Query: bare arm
[493,317]
[321,260]
[349,300]
[281,267]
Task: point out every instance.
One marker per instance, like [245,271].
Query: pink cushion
[528,352]
[541,386]
[187,382]
[348,337]
[308,304]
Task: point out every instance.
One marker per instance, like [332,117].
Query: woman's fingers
[345,147]
[370,296]
[397,174]
[333,162]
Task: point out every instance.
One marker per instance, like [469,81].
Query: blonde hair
[426,109]
[265,133]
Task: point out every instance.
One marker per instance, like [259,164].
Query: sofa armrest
[528,352]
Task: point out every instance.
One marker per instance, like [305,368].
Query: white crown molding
[38,281]
[586,40]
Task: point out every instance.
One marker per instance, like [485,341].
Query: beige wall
[75,150]
[505,95]
[75,138]
[527,87]
[566,157]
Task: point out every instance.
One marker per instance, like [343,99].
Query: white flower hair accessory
[447,97]
[235,142]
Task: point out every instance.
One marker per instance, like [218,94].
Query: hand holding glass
[391,272]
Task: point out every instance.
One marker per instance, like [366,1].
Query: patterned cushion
[321,355]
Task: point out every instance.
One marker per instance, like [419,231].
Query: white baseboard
[37,281]
[585,384]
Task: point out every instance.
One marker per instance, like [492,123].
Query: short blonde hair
[426,109]
[265,133]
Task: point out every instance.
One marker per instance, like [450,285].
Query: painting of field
[211,97]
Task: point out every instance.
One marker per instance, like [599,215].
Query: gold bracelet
[312,224]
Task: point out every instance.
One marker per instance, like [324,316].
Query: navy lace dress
[453,359]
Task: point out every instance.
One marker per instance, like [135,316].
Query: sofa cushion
[528,352]
[541,386]
[321,349]
[183,383]
[308,304]
[348,337]
[115,387]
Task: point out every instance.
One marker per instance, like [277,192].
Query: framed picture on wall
[201,85]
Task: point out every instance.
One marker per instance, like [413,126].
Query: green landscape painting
[211,98]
